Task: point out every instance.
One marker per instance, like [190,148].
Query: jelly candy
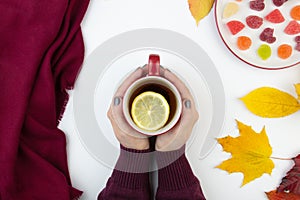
[257,5]
[297,40]
[267,35]
[244,42]
[235,26]
[275,16]
[284,51]
[295,13]
[297,47]
[264,51]
[279,2]
[254,21]
[230,9]
[292,28]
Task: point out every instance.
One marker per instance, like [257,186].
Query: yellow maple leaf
[270,102]
[297,88]
[250,152]
[200,8]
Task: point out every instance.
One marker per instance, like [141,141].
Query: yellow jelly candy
[230,9]
[264,51]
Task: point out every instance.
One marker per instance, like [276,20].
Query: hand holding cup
[182,117]
[126,135]
[176,137]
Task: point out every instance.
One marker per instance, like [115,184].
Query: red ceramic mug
[156,83]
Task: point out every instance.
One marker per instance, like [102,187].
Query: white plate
[250,56]
[107,66]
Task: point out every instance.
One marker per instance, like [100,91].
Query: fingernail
[117,101]
[188,104]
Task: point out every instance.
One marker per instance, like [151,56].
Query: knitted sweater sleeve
[176,180]
[130,178]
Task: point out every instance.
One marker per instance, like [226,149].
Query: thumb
[117,115]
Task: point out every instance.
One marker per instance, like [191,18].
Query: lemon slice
[150,111]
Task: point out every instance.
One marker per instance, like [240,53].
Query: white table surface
[107,18]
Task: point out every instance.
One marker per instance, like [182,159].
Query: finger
[189,112]
[117,116]
[181,132]
[138,73]
[182,88]
[189,117]
[116,128]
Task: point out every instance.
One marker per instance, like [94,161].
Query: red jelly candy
[271,40]
[275,16]
[235,26]
[257,5]
[297,40]
[292,28]
[267,35]
[297,46]
[254,21]
[279,2]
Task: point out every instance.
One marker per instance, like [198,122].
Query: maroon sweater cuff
[176,175]
[131,170]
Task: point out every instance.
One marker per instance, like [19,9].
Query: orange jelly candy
[244,42]
[284,51]
[295,13]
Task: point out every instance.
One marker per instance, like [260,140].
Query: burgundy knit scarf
[41,52]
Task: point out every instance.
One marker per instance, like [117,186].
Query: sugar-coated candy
[254,21]
[235,26]
[257,5]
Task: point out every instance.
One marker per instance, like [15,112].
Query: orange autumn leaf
[200,8]
[250,152]
[273,195]
[270,102]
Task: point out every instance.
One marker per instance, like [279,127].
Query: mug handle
[154,65]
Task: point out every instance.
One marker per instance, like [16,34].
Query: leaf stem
[280,158]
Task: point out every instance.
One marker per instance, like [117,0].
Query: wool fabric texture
[41,52]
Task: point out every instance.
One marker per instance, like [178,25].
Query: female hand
[176,137]
[126,135]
